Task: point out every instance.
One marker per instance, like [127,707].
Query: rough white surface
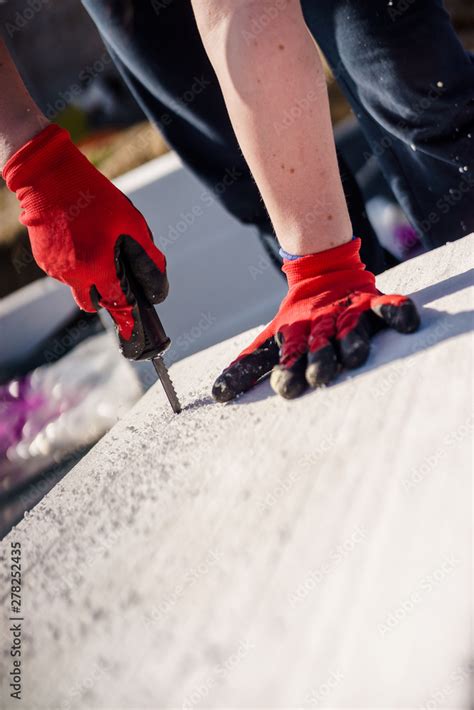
[265,553]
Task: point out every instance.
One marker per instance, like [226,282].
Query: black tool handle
[154,341]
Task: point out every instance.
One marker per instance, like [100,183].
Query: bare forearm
[20,117]
[274,87]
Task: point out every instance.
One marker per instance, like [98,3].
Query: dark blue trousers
[400,64]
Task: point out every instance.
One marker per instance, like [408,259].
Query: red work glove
[85,232]
[324,323]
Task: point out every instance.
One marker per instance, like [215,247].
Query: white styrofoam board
[265,553]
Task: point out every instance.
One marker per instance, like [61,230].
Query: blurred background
[63,383]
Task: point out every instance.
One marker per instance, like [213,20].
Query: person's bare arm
[274,87]
[20,117]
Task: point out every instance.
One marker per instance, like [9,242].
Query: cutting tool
[155,342]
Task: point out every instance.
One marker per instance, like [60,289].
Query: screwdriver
[154,344]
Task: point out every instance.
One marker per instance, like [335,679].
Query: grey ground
[264,554]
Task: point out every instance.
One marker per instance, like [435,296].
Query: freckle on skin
[282,166]
[292,170]
[329,217]
[281,46]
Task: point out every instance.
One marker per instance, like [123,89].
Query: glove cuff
[30,159]
[342,258]
[48,170]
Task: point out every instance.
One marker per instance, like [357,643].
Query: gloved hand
[324,323]
[85,232]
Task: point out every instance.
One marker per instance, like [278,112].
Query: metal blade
[162,372]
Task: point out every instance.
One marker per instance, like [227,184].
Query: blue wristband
[292,257]
[288,257]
